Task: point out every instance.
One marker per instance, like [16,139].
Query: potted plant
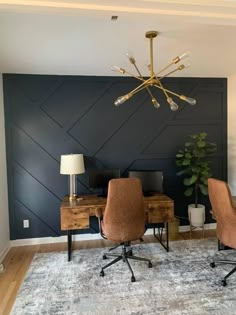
[194,160]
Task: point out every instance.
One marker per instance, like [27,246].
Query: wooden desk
[75,214]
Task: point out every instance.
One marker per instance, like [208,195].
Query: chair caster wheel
[223,282]
[212,264]
[149,265]
[104,257]
[102,273]
[133,279]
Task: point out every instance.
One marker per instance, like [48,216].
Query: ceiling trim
[161,7]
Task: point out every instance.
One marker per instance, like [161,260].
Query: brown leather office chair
[225,215]
[123,220]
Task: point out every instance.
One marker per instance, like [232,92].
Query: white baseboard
[51,240]
[4,252]
[207,226]
[86,237]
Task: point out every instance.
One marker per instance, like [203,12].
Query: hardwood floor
[18,260]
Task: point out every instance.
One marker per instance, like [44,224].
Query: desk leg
[167,236]
[69,244]
[160,234]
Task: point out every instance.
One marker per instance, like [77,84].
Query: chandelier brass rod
[146,82]
[165,68]
[142,88]
[165,91]
[151,57]
[137,69]
[150,35]
[181,67]
[134,76]
[168,91]
[159,87]
[141,76]
[162,87]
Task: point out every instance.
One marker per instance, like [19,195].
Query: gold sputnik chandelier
[155,79]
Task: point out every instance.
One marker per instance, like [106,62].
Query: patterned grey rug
[180,282]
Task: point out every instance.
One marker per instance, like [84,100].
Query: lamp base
[73,197]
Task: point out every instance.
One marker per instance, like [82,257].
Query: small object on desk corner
[78,199]
[2,268]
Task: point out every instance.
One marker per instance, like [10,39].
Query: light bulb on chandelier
[155,79]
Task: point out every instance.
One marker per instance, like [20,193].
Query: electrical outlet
[25,224]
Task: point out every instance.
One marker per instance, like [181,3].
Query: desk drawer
[160,214]
[73,219]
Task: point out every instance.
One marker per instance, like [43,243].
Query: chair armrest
[234,201]
[99,213]
[212,214]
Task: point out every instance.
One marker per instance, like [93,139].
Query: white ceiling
[79,38]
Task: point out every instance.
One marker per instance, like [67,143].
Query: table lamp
[72,164]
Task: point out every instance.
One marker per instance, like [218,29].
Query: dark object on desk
[149,194]
[99,179]
[152,181]
[225,215]
[123,220]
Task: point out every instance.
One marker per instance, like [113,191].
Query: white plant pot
[196,215]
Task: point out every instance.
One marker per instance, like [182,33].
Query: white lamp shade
[72,164]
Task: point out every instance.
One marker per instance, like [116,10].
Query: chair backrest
[223,210]
[124,215]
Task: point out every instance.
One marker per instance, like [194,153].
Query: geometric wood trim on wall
[47,116]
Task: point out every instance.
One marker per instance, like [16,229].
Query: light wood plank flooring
[18,260]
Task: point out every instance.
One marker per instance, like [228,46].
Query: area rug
[180,282]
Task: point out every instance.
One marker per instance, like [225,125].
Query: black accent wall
[47,116]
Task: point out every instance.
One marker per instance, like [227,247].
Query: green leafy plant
[195,159]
